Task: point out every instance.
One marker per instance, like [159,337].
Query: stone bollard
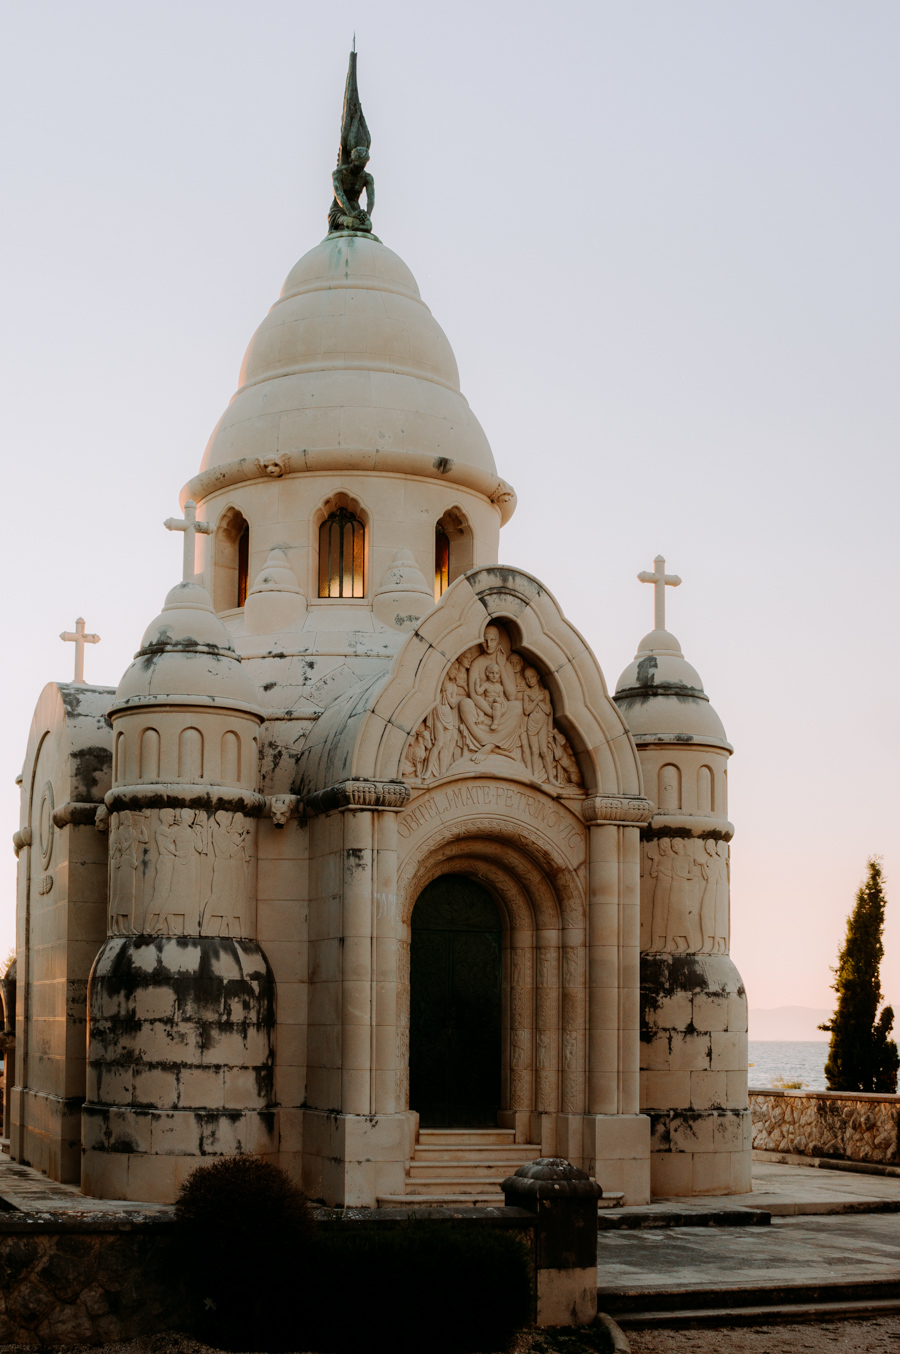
[564,1200]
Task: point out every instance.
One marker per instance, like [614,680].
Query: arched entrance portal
[454,1036]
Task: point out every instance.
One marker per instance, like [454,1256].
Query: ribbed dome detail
[186,657]
[349,357]
[661,696]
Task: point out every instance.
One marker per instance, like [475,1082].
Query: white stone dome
[349,358]
[661,696]
[186,656]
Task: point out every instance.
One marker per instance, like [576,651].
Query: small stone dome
[661,696]
[186,655]
[349,357]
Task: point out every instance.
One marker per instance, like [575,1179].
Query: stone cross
[79,639]
[660,580]
[190,526]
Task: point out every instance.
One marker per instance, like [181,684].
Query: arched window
[453,549]
[441,561]
[231,577]
[243,564]
[342,555]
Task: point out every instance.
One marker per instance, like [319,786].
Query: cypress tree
[862,1056]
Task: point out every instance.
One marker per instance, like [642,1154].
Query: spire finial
[660,580]
[351,176]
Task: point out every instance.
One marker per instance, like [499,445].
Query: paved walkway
[792,1250]
[780,1190]
[783,1191]
[28,1191]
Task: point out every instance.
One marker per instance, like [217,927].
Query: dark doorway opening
[454,1035]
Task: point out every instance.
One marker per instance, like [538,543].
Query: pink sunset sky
[662,240]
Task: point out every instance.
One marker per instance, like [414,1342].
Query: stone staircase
[454,1166]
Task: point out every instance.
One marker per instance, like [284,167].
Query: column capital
[359,794]
[633,809]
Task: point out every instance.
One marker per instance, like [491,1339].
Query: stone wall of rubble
[845,1125]
[83,1284]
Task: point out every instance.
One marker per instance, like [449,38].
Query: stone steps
[507,1152]
[782,1314]
[740,1304]
[466,1137]
[461,1166]
[495,1171]
[465,1166]
[493,1199]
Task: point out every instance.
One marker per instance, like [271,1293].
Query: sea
[803,1060]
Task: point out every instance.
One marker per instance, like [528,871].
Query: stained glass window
[243,553]
[441,562]
[342,553]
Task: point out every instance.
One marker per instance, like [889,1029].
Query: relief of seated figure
[492,704]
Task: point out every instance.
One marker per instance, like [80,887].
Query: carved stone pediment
[493,705]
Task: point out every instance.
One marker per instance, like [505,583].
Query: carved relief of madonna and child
[492,703]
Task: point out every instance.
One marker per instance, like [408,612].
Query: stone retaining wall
[845,1125]
[91,1282]
[78,1283]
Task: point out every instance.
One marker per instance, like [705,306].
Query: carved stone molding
[359,794]
[207,797]
[77,813]
[683,825]
[281,808]
[21,839]
[422,463]
[617,809]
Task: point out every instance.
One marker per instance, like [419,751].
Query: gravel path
[850,1337]
[876,1336]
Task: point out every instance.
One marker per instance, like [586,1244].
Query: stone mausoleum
[361,867]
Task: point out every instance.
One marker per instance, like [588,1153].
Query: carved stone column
[616,1148]
[353,1157]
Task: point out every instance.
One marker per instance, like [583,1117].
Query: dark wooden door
[454,1036]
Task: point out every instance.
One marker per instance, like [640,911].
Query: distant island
[790,1023]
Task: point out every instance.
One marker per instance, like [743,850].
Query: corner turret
[693,1003]
[181,997]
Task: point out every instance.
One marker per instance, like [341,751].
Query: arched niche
[669,788]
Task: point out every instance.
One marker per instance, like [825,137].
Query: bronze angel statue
[351,176]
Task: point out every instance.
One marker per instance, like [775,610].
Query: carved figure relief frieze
[179,872]
[493,703]
[684,896]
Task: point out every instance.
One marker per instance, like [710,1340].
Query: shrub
[243,1229]
[425,1285]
